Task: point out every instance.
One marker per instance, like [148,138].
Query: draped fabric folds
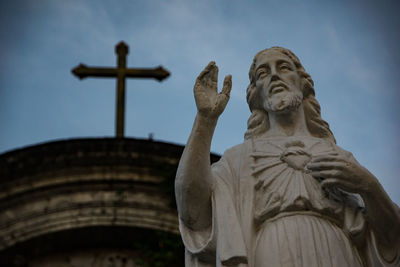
[268,211]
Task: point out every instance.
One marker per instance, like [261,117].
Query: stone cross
[121,72]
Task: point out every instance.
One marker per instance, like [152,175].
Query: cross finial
[121,49]
[121,72]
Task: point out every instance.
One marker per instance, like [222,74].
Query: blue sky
[350,48]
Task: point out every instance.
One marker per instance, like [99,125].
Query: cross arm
[158,73]
[82,71]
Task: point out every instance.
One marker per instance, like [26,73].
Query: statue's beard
[283,102]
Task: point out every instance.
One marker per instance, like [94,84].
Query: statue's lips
[277,89]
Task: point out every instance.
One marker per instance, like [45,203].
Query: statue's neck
[292,123]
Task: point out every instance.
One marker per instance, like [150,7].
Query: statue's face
[278,82]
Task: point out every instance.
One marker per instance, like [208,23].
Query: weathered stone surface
[288,195]
[81,183]
[90,258]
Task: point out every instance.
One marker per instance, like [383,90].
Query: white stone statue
[288,196]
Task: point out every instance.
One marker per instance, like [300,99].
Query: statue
[288,195]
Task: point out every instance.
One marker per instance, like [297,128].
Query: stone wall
[82,184]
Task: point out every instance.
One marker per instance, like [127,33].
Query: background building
[90,202]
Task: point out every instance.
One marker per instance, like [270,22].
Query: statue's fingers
[333,153]
[329,182]
[214,73]
[226,88]
[206,70]
[325,173]
[326,158]
[317,166]
[222,101]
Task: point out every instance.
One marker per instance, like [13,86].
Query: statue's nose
[274,74]
[274,77]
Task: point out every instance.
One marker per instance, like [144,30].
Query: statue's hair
[258,123]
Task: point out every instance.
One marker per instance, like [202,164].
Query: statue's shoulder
[237,155]
[342,151]
[231,161]
[237,151]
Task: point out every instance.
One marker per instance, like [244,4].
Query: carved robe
[268,211]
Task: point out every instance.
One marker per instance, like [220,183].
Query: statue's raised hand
[209,102]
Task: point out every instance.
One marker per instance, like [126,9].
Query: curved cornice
[77,183]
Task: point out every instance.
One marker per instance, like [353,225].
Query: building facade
[105,202]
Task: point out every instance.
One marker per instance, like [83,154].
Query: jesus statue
[287,196]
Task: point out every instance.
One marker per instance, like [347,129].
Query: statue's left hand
[342,171]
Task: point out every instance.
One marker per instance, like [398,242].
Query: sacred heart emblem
[295,155]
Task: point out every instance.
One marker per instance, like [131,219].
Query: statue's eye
[285,67]
[261,73]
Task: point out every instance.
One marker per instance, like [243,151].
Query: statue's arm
[194,181]
[383,216]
